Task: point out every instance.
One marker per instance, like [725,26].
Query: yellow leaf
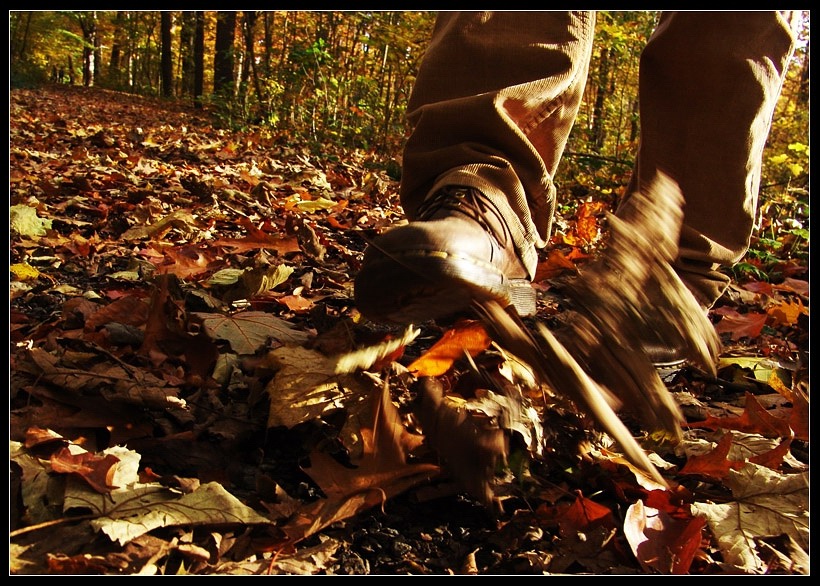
[787,312]
[23,271]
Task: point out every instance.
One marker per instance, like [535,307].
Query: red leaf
[660,542]
[755,419]
[126,310]
[799,286]
[713,464]
[96,470]
[582,514]
[773,458]
[799,421]
[759,287]
[740,325]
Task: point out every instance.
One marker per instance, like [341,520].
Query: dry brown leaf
[248,331]
[382,473]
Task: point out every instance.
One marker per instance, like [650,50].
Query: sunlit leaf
[24,221]
[465,338]
[249,331]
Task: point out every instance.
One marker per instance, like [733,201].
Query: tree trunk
[250,58]
[803,94]
[21,45]
[114,76]
[186,53]
[166,56]
[88,24]
[598,132]
[199,58]
[224,52]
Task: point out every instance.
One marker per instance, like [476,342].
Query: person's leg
[709,82]
[492,108]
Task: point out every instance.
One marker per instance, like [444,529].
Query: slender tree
[166,56]
[224,52]
[88,26]
[114,74]
[199,57]
[186,53]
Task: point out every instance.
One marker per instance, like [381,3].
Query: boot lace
[471,203]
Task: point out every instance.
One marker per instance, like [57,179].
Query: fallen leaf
[746,325]
[785,313]
[660,542]
[96,470]
[714,464]
[799,286]
[23,271]
[556,264]
[468,337]
[249,331]
[381,473]
[181,219]
[140,509]
[470,443]
[766,504]
[583,514]
[129,310]
[755,419]
[307,386]
[24,221]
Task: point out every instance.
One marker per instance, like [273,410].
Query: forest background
[342,79]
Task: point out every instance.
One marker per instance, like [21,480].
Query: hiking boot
[459,249]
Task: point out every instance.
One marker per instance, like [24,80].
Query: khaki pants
[497,94]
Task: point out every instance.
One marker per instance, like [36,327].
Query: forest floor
[181,300]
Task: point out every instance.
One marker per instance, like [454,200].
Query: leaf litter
[165,420]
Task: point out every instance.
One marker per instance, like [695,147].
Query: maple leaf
[766,503]
[579,516]
[755,419]
[381,473]
[786,312]
[556,264]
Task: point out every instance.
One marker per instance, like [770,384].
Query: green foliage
[26,74]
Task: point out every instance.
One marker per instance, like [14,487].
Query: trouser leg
[709,82]
[492,107]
